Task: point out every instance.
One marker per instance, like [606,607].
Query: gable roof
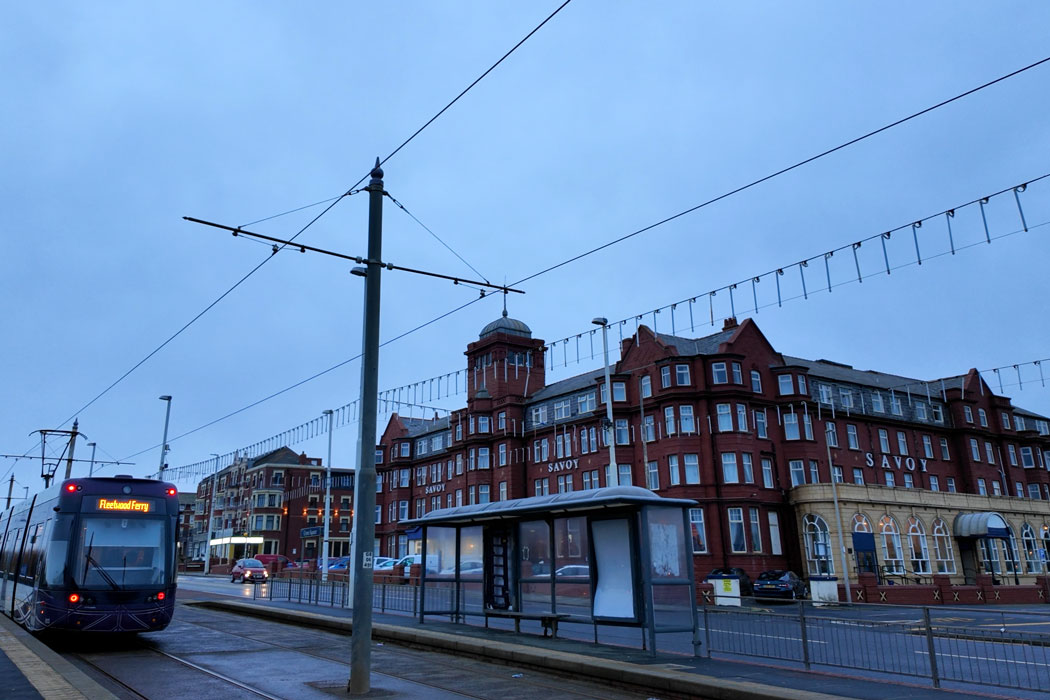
[707,345]
[565,386]
[420,426]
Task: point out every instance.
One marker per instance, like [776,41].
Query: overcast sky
[121,118]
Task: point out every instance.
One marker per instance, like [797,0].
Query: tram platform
[31,671]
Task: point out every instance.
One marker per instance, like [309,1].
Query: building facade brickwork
[278,496]
[729,421]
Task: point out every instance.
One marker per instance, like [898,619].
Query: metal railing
[945,644]
[934,643]
[386,597]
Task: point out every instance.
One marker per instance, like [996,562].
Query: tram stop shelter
[620,555]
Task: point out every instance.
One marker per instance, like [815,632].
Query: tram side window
[6,555]
[31,557]
[10,551]
[57,550]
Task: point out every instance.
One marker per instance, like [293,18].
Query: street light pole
[360,682]
[610,433]
[327,498]
[838,513]
[211,516]
[91,469]
[164,442]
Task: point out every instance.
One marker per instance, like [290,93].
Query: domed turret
[505,324]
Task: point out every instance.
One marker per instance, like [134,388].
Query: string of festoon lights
[954,237]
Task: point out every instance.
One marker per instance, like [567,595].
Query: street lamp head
[600,321]
[91,444]
[359,271]
[165,398]
[326,412]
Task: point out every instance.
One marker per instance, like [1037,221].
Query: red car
[249,571]
[282,561]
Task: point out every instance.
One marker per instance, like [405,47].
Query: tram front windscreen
[114,552]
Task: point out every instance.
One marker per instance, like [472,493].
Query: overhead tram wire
[433,118]
[311,378]
[426,228]
[332,203]
[782,171]
[957,248]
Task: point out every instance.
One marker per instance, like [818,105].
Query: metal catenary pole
[360,681]
[211,517]
[838,518]
[164,441]
[327,499]
[72,446]
[610,433]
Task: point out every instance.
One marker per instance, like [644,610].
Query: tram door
[497,568]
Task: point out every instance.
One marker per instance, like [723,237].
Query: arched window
[892,556]
[920,555]
[861,523]
[1012,556]
[818,545]
[1031,550]
[942,547]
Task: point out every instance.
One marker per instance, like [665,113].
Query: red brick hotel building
[936,479]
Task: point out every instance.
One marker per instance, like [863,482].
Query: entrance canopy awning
[987,524]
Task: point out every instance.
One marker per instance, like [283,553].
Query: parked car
[573,570]
[467,567]
[383,563]
[338,563]
[746,589]
[408,561]
[249,571]
[778,583]
[282,561]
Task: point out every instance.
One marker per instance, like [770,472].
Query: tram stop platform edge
[29,670]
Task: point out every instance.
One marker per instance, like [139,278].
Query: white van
[411,559]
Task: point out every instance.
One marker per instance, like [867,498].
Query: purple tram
[96,555]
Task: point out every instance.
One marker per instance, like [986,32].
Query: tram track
[129,688]
[140,667]
[448,663]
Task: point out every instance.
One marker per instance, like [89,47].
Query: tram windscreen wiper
[88,559]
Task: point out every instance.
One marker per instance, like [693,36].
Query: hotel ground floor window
[774,534]
[818,545]
[699,532]
[756,530]
[736,530]
[942,548]
[892,556]
[1031,550]
[920,555]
